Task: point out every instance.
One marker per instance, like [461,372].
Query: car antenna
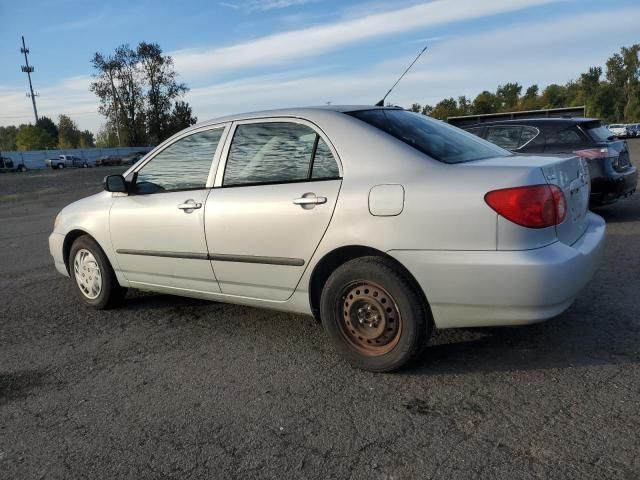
[381,102]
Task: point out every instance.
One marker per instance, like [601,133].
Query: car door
[272,202]
[157,230]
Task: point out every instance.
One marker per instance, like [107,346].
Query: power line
[28,69]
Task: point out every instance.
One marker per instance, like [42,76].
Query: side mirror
[115,183]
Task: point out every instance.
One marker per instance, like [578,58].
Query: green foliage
[8,138]
[137,89]
[86,139]
[47,124]
[30,137]
[107,137]
[68,133]
[614,98]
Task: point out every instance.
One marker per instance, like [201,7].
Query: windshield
[434,138]
[598,132]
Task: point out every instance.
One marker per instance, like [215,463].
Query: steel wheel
[87,273]
[371,320]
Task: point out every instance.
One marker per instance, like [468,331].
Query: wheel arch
[333,259]
[69,238]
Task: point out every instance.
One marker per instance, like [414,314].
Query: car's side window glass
[528,134]
[475,130]
[563,136]
[505,136]
[324,165]
[271,152]
[183,165]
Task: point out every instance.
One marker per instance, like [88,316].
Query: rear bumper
[490,288]
[613,185]
[56,243]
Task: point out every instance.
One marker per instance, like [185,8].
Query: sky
[245,55]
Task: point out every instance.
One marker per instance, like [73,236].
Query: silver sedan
[381,223]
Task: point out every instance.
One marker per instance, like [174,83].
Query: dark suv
[612,174]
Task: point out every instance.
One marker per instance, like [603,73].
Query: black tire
[22,168]
[60,166]
[111,293]
[383,282]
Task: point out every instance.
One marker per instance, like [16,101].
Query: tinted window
[527,135]
[182,165]
[276,152]
[324,165]
[563,136]
[599,133]
[506,137]
[434,138]
[475,130]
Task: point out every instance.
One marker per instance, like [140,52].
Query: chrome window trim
[222,163]
[176,138]
[515,125]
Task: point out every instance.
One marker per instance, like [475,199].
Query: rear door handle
[189,206]
[310,200]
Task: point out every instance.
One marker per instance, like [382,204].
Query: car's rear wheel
[60,165]
[95,280]
[22,168]
[374,315]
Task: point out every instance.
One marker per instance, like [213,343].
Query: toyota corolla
[381,223]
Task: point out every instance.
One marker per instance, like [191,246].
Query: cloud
[289,46]
[250,6]
[542,53]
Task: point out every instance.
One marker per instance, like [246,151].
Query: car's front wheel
[95,280]
[374,315]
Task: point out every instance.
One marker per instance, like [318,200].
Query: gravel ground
[167,387]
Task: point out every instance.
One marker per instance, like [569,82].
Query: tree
[107,137]
[68,133]
[162,89]
[137,90]
[445,109]
[416,108]
[554,96]
[530,100]
[508,95]
[47,124]
[181,118]
[8,138]
[86,139]
[30,137]
[486,102]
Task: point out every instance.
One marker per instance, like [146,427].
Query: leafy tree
[8,138]
[68,133]
[107,137]
[181,117]
[530,100]
[445,109]
[137,89]
[427,110]
[47,124]
[508,95]
[86,139]
[416,108]
[486,102]
[30,137]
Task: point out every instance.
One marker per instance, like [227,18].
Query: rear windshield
[597,132]
[434,138]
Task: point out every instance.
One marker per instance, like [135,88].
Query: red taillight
[593,153]
[534,206]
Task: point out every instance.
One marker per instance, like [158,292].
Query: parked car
[133,158]
[7,165]
[64,161]
[382,223]
[633,130]
[109,161]
[618,130]
[612,174]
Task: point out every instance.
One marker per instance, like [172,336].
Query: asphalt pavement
[169,387]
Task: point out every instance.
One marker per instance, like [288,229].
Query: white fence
[35,159]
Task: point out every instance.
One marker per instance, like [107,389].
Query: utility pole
[28,69]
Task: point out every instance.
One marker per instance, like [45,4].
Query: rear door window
[567,135]
[504,136]
[277,152]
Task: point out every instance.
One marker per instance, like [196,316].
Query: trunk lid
[572,176]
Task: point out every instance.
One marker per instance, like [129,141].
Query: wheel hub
[87,274]
[371,321]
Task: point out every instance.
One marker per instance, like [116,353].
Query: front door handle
[309,199]
[189,206]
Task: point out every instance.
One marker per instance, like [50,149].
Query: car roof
[537,121]
[301,112]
